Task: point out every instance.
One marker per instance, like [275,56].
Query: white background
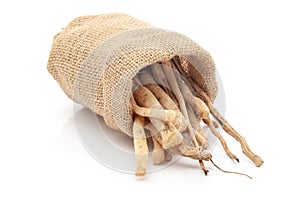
[256,47]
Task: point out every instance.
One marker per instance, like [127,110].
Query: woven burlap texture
[95,58]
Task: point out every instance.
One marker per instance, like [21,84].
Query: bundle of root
[170,103]
[145,82]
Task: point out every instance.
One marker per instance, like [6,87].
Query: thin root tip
[258,160]
[203,167]
[236,158]
[206,172]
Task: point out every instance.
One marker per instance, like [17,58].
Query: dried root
[171,101]
[157,113]
[163,98]
[221,139]
[193,77]
[140,146]
[200,135]
[171,77]
[158,154]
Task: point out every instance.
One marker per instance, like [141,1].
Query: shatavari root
[160,78]
[221,139]
[163,98]
[170,135]
[195,78]
[169,74]
[158,154]
[203,167]
[140,146]
[170,102]
[199,133]
[162,114]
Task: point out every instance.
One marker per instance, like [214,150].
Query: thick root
[140,146]
[158,154]
[157,113]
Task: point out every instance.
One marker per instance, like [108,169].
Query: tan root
[221,139]
[163,98]
[160,78]
[140,146]
[170,99]
[170,135]
[158,154]
[193,77]
[199,133]
[157,113]
[169,74]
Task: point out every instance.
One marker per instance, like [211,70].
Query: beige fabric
[95,58]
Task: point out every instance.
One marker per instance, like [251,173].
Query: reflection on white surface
[110,147]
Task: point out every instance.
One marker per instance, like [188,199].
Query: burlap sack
[95,58]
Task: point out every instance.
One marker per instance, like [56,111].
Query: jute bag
[95,58]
